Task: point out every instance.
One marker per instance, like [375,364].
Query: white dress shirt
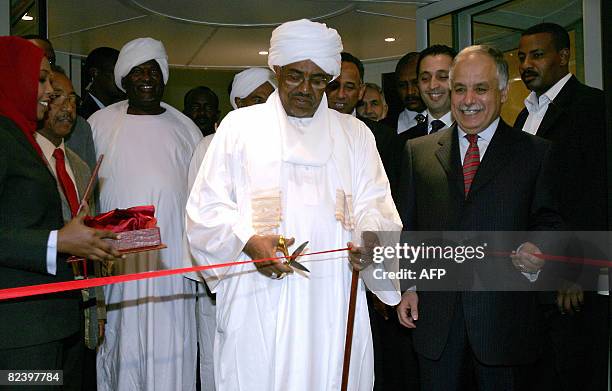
[446,118]
[100,104]
[47,148]
[537,106]
[407,119]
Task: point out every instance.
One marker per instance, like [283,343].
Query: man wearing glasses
[291,167]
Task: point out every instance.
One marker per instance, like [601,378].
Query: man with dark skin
[147,145]
[408,91]
[292,139]
[258,96]
[343,95]
[99,79]
[201,104]
[346,90]
[571,115]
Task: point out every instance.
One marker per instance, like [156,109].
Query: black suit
[432,199]
[30,208]
[417,130]
[575,123]
[386,143]
[88,106]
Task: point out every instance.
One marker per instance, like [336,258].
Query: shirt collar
[47,146]
[486,134]
[533,103]
[100,104]
[412,114]
[446,118]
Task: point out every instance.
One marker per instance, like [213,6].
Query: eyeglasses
[295,78]
[61,99]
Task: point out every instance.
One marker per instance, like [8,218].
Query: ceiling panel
[79,26]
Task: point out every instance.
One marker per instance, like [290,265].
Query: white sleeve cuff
[52,253]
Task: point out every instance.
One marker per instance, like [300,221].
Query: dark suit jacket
[510,192]
[575,123]
[30,208]
[386,143]
[88,106]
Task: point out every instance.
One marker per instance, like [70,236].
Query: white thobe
[288,334]
[150,341]
[205,305]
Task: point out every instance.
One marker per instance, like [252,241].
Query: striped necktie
[470,162]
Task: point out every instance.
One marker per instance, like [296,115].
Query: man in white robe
[150,341]
[251,87]
[290,167]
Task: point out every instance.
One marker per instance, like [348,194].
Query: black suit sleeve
[406,193]
[544,214]
[20,248]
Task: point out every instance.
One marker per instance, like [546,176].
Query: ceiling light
[263,53]
[389,39]
[27,17]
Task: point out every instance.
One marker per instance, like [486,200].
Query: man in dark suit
[343,95]
[100,88]
[58,124]
[432,73]
[465,178]
[572,116]
[408,92]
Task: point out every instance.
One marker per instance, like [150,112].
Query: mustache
[412,98]
[528,73]
[302,95]
[435,91]
[64,118]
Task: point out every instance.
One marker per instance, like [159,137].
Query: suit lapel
[557,107]
[498,153]
[449,157]
[521,118]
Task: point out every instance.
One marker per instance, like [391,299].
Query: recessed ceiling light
[389,39]
[27,17]
[263,52]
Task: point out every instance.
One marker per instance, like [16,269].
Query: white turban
[301,40]
[138,52]
[248,81]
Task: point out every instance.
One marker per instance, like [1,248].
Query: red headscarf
[19,73]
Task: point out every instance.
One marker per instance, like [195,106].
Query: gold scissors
[291,259]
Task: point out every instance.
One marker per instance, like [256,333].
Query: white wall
[374,70]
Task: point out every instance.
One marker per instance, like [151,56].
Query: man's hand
[569,298]
[408,309]
[524,260]
[75,238]
[265,246]
[101,330]
[361,257]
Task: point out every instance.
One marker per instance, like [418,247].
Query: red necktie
[470,162]
[65,181]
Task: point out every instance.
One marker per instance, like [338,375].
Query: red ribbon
[42,289]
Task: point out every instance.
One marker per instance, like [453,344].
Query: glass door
[499,23]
